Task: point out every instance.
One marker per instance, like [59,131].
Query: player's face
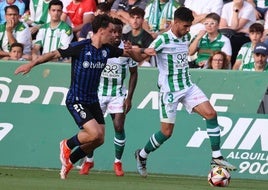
[217,62]
[117,34]
[255,37]
[260,60]
[55,12]
[107,34]
[12,16]
[136,22]
[211,25]
[180,28]
[15,53]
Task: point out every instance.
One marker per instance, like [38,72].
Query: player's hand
[10,25]
[202,63]
[150,51]
[258,15]
[127,106]
[201,33]
[24,69]
[34,29]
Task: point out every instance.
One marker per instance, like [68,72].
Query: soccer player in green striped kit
[176,87]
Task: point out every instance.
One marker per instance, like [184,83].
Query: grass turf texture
[42,179]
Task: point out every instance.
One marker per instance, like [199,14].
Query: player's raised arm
[139,54]
[25,68]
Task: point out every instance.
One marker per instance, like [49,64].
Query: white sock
[143,154]
[216,154]
[117,160]
[89,159]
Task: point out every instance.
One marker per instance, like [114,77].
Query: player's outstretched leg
[213,130]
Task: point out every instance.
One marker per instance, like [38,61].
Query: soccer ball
[219,176]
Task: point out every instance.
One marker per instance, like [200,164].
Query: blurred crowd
[225,34]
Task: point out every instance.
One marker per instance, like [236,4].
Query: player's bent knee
[210,114]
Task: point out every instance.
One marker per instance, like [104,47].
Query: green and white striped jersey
[245,54]
[261,3]
[207,47]
[172,61]
[21,33]
[52,39]
[114,74]
[39,11]
[251,67]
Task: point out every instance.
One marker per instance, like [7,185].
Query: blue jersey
[87,65]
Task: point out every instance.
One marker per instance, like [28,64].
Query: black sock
[73,142]
[77,155]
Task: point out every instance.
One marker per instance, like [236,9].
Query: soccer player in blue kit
[89,58]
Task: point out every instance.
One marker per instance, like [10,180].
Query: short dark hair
[214,16]
[16,44]
[117,21]
[256,27]
[13,7]
[104,7]
[183,14]
[101,21]
[55,2]
[136,11]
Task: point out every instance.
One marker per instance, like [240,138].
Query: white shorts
[169,101]
[111,104]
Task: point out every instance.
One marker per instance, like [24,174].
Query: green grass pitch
[48,179]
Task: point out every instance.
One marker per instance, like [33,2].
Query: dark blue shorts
[83,113]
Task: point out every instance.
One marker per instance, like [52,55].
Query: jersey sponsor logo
[104,53]
[182,57]
[83,114]
[111,71]
[182,61]
[111,68]
[85,64]
[92,65]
